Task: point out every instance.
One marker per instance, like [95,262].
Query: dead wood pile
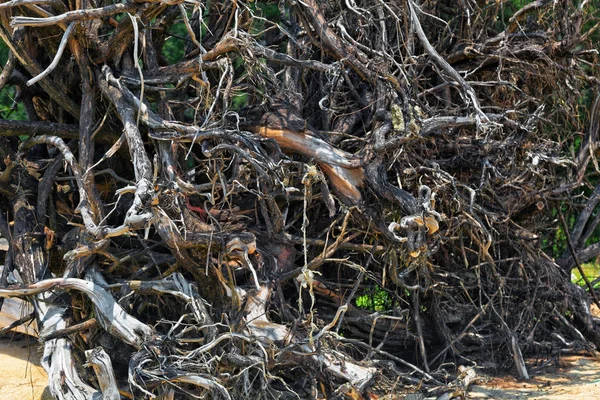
[298,199]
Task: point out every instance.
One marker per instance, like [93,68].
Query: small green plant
[375,298]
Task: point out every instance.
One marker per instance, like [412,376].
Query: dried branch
[76,15]
[26,128]
[111,316]
[59,52]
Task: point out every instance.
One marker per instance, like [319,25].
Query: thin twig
[59,52]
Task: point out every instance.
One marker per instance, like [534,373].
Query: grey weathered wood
[99,360]
[111,315]
[269,332]
[63,380]
[518,357]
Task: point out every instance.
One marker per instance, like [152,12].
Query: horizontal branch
[109,313]
[288,60]
[186,68]
[31,128]
[15,3]
[432,125]
[77,15]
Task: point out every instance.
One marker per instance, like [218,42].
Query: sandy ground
[575,377]
[21,377]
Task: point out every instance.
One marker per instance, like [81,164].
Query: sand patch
[575,377]
[21,376]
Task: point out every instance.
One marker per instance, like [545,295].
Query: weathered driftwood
[518,358]
[268,332]
[64,380]
[100,361]
[58,360]
[110,314]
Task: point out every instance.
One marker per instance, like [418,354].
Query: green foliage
[8,108]
[239,101]
[174,46]
[375,298]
